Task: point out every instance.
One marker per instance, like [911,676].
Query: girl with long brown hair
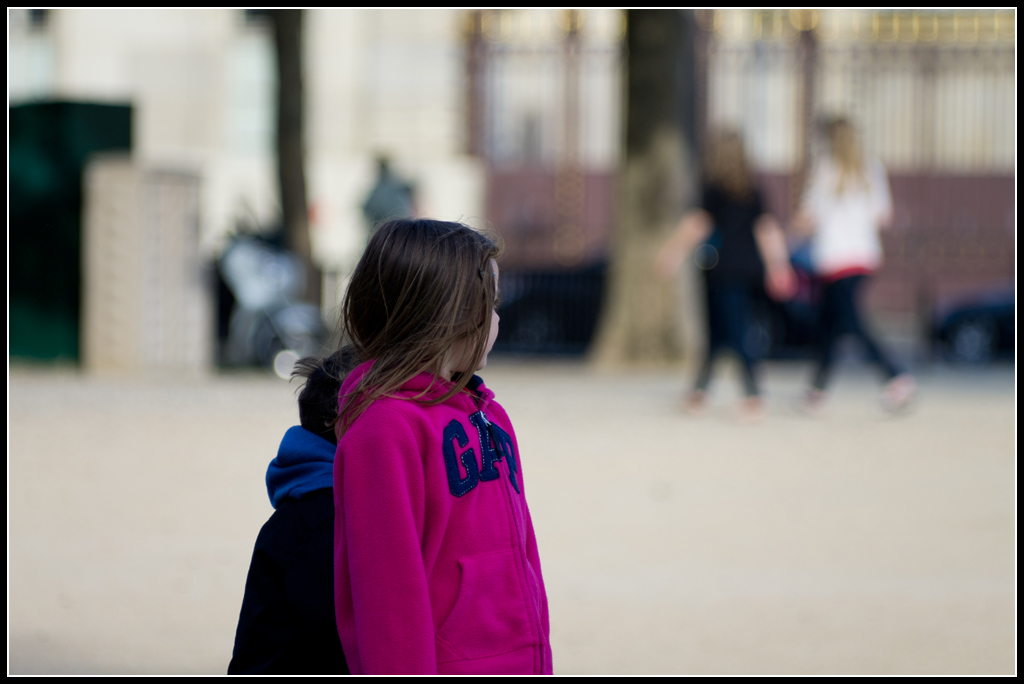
[743,250]
[436,563]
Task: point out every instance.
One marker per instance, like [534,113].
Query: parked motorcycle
[269,324]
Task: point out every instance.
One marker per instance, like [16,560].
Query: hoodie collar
[475,397]
[304,464]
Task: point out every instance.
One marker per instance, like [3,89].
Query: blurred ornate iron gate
[544,112]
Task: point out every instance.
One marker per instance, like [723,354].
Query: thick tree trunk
[291,156]
[640,321]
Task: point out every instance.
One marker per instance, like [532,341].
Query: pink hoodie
[435,561]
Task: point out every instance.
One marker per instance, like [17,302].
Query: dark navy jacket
[287,624]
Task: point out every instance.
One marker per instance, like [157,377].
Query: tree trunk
[640,320]
[291,156]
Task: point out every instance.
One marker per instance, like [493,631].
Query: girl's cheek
[494,330]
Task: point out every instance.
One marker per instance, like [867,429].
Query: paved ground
[852,543]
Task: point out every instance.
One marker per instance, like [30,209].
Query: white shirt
[846,225]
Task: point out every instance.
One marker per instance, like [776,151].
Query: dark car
[549,312]
[977,328]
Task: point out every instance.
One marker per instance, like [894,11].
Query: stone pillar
[146,300]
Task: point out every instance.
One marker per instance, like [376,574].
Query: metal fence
[933,91]
[545,112]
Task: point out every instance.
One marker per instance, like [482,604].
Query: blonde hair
[725,164]
[846,152]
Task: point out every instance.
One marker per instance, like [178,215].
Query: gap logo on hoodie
[495,444]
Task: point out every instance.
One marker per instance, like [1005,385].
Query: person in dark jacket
[390,198]
[286,624]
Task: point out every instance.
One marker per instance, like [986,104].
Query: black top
[287,624]
[738,259]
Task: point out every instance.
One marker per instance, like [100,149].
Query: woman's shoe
[898,392]
[814,403]
[696,403]
[752,410]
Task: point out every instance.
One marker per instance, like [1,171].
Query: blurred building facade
[201,85]
[514,119]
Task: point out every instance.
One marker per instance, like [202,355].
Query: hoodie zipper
[520,542]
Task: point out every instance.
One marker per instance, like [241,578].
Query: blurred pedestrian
[436,562]
[286,625]
[739,248]
[846,203]
[390,198]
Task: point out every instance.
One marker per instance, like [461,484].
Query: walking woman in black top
[739,248]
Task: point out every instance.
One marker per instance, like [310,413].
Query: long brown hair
[725,164]
[845,149]
[420,288]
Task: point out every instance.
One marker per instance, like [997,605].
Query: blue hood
[304,464]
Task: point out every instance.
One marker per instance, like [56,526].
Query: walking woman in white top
[846,203]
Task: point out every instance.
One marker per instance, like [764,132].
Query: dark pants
[728,309]
[839,316]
